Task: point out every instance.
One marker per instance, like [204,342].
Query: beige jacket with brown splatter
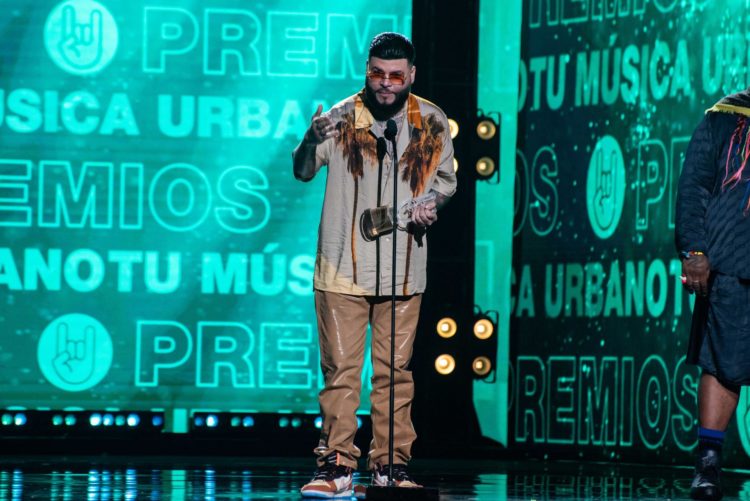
[346,262]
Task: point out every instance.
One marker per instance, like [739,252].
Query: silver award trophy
[379,221]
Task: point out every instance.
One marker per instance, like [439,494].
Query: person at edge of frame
[352,278]
[712,236]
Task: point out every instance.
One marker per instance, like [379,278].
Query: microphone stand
[382,148]
[392,392]
[392,492]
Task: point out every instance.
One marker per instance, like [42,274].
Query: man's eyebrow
[378,68]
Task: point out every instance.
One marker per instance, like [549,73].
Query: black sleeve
[695,187]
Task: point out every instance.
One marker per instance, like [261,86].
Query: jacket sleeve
[695,189]
[445,181]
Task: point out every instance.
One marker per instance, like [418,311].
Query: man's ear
[413,73]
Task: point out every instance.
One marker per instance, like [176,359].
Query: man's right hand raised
[321,128]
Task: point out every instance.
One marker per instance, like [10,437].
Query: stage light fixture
[95,419]
[446,327]
[445,364]
[133,420]
[108,420]
[57,420]
[212,421]
[283,422]
[248,422]
[318,422]
[484,149]
[453,126]
[486,129]
[485,167]
[157,421]
[484,328]
[7,419]
[481,366]
[19,419]
[455,164]
[70,420]
[199,421]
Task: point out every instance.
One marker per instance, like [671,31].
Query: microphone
[382,148]
[390,130]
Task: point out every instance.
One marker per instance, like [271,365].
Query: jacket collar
[363,118]
[738,104]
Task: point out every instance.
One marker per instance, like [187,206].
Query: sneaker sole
[328,495]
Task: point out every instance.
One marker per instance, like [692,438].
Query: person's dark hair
[390,45]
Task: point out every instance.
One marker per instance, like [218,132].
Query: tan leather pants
[342,328]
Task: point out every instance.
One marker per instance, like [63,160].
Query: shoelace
[399,473]
[324,473]
[329,472]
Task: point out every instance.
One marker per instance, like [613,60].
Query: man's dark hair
[390,45]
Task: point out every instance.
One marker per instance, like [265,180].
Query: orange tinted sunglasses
[396,78]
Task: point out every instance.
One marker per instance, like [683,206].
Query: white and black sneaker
[332,480]
[401,477]
[706,484]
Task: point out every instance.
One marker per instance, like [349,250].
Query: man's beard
[385,111]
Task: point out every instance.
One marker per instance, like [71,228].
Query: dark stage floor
[176,479]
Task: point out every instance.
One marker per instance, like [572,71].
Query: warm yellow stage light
[453,125]
[486,129]
[445,364]
[455,165]
[485,166]
[446,327]
[483,329]
[481,366]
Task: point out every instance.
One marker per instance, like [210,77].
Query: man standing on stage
[713,238]
[352,278]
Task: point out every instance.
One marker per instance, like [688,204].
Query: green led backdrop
[610,92]
[156,251]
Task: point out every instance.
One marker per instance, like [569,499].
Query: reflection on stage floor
[185,478]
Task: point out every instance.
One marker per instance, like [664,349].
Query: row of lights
[94,419]
[235,421]
[483,330]
[446,364]
[484,146]
[13,419]
[107,419]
